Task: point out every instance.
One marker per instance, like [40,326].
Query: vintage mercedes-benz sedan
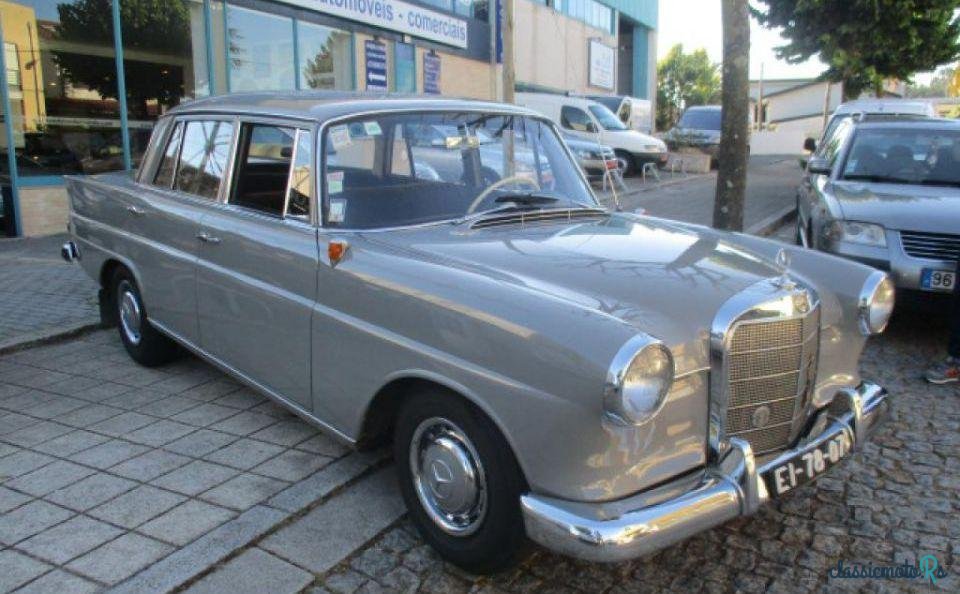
[438,273]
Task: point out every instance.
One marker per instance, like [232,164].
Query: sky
[696,24]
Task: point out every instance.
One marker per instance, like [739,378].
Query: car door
[257,267]
[166,219]
[811,205]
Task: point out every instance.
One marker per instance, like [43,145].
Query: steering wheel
[496,186]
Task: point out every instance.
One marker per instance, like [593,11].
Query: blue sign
[431,74]
[376,65]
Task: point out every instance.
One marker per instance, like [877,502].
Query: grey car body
[531,316]
[920,223]
[699,127]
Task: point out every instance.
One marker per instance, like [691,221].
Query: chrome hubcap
[130,316]
[448,477]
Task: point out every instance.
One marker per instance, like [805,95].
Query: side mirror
[591,128]
[819,167]
[810,145]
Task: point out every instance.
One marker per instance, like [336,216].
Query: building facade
[86,79]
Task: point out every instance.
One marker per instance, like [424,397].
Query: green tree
[864,42]
[684,80]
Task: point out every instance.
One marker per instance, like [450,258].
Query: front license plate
[938,280]
[803,468]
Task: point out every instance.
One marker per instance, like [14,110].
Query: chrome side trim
[731,488]
[294,407]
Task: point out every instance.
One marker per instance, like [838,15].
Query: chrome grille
[933,246]
[769,365]
[539,216]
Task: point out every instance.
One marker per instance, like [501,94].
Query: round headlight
[638,381]
[876,303]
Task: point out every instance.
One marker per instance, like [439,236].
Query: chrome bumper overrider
[734,487]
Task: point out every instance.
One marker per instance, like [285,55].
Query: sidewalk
[40,294]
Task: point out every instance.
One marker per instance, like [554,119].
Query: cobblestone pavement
[39,292]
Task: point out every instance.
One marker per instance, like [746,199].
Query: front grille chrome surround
[764,356]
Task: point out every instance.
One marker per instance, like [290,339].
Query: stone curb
[771,224]
[32,339]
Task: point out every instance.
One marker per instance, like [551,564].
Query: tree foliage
[863,42]
[939,85]
[683,80]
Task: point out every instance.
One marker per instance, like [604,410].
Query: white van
[588,119]
[635,113]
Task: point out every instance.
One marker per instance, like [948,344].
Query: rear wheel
[141,340]
[460,481]
[626,163]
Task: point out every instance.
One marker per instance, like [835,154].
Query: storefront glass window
[405,60]
[164,61]
[260,53]
[62,79]
[325,60]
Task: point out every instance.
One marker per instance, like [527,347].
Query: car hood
[659,277]
[935,209]
[694,136]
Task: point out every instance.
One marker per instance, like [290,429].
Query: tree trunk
[735,121]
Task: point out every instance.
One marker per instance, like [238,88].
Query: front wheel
[626,163]
[460,481]
[143,342]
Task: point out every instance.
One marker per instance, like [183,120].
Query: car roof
[907,123]
[902,106]
[325,105]
[704,108]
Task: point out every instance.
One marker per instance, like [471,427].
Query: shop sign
[396,16]
[602,65]
[376,65]
[431,74]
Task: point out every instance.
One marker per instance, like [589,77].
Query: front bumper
[733,487]
[658,157]
[905,270]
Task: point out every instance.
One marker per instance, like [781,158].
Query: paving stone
[324,445]
[330,478]
[122,423]
[71,443]
[12,422]
[55,407]
[135,399]
[49,478]
[7,449]
[244,423]
[70,539]
[253,572]
[29,519]
[211,390]
[91,491]
[292,465]
[18,569]
[356,515]
[37,434]
[168,406]
[136,507]
[244,453]
[21,463]
[120,558]
[59,582]
[203,553]
[204,415]
[89,415]
[286,433]
[186,522]
[243,491]
[195,478]
[200,443]
[150,465]
[160,433]
[11,499]
[109,454]
[243,399]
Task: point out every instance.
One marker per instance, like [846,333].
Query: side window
[834,143]
[573,118]
[203,159]
[168,163]
[301,179]
[263,167]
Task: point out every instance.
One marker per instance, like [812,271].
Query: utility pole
[735,121]
[509,64]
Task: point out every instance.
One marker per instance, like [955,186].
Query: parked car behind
[699,128]
[872,107]
[887,193]
[603,383]
[594,159]
[591,120]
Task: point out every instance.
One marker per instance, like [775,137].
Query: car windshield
[922,156]
[700,119]
[393,170]
[607,118]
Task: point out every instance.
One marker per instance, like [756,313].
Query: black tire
[146,346]
[498,536]
[628,164]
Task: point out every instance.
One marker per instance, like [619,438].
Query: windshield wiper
[515,205]
[877,179]
[941,182]
[527,198]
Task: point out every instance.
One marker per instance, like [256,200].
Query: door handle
[136,210]
[207,238]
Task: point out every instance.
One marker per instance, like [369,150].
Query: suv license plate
[938,280]
[803,468]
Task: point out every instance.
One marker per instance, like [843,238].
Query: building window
[590,12]
[477,9]
[405,63]
[325,57]
[260,53]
